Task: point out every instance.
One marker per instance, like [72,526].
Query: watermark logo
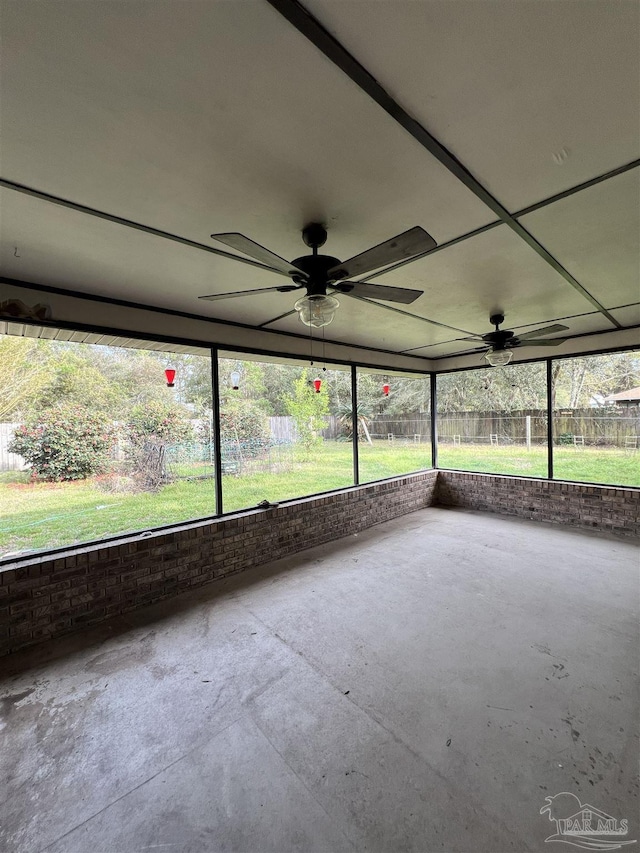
[583,825]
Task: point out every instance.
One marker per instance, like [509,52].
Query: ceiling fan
[319,273]
[501,341]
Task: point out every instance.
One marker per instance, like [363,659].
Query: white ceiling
[196,117]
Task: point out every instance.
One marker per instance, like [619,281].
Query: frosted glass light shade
[499,358]
[316,311]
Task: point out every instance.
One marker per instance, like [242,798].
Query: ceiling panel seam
[322,39]
[585,185]
[545,202]
[125,303]
[128,223]
[85,209]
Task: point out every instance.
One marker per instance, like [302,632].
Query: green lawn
[50,515]
[586,465]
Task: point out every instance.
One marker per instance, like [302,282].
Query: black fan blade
[378,291]
[540,342]
[255,250]
[547,330]
[282,289]
[405,245]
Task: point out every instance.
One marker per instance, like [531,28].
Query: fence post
[527,427]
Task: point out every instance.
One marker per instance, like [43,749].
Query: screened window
[394,424]
[281,437]
[93,442]
[596,418]
[494,420]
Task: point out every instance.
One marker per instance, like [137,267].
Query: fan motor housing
[499,338]
[317,268]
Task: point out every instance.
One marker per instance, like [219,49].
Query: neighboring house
[624,398]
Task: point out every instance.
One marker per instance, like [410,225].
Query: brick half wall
[51,595]
[608,509]
[45,597]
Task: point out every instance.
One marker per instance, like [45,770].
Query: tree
[65,442]
[344,413]
[580,381]
[25,362]
[492,389]
[74,378]
[309,410]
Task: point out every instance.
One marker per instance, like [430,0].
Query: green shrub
[164,423]
[65,442]
[243,421]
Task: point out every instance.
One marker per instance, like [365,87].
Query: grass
[37,516]
[586,465]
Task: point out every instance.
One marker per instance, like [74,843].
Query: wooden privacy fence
[9,461]
[413,427]
[493,428]
[283,430]
[597,427]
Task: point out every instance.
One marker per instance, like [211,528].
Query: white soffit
[198,117]
[49,333]
[533,97]
[595,234]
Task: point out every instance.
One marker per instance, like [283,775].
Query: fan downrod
[314,235]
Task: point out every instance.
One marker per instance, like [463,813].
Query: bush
[243,422]
[66,442]
[164,423]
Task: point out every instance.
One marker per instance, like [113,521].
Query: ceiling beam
[322,39]
[612,173]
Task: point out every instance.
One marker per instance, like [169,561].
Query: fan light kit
[501,342]
[315,273]
[316,311]
[499,358]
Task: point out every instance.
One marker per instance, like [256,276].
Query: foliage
[24,361]
[576,383]
[344,413]
[66,442]
[409,396]
[73,377]
[492,389]
[243,420]
[581,382]
[308,409]
[160,421]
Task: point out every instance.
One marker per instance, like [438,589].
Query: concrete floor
[422,686]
